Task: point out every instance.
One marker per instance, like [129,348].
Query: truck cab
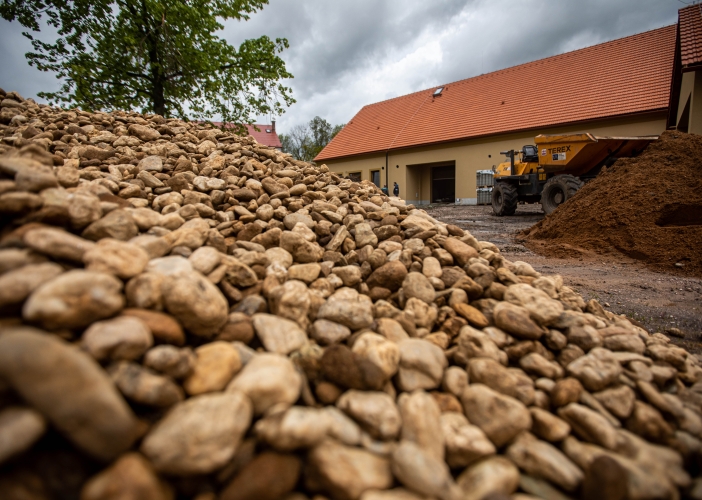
[525,161]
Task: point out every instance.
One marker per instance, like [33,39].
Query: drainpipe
[387,178]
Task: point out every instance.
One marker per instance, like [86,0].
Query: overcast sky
[346,54]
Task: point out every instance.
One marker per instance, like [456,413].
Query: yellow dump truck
[553,170]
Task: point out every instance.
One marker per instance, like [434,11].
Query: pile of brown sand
[648,208]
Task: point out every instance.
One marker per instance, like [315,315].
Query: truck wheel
[504,199]
[557,190]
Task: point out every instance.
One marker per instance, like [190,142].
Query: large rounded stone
[375,411]
[390,276]
[500,417]
[57,243]
[460,251]
[346,472]
[268,476]
[417,285]
[278,335]
[16,285]
[492,476]
[70,389]
[124,260]
[118,224]
[123,337]
[132,476]
[199,435]
[20,427]
[215,365]
[355,314]
[197,304]
[142,386]
[268,379]
[74,299]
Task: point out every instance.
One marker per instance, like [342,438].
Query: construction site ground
[656,300]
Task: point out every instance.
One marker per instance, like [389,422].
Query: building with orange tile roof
[265,135]
[433,142]
[685,111]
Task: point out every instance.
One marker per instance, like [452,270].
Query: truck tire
[558,190]
[504,199]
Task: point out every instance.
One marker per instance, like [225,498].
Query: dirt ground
[657,301]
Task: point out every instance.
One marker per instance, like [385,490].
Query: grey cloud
[333,40]
[536,29]
[15,73]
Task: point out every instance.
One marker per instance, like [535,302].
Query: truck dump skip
[576,154]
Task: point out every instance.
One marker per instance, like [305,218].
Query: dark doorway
[375,177]
[443,184]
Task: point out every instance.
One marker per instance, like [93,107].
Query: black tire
[504,198]
[558,190]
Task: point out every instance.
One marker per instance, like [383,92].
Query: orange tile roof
[625,76]
[690,22]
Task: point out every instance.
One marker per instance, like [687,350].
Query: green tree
[306,141]
[160,56]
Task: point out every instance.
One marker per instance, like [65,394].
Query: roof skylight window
[438,92]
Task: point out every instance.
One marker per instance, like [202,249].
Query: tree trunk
[157,98]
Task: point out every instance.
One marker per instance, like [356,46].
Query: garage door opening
[443,184]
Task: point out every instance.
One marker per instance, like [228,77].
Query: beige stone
[465,443]
[16,285]
[421,365]
[195,302]
[375,411]
[491,476]
[69,389]
[20,428]
[421,422]
[121,338]
[268,379]
[500,417]
[422,472]
[544,460]
[215,365]
[74,299]
[131,476]
[346,472]
[199,435]
[278,335]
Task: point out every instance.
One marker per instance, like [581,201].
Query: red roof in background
[690,22]
[624,76]
[262,136]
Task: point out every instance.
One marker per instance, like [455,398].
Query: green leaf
[156,56]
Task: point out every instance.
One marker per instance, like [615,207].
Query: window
[438,92]
[375,177]
[355,176]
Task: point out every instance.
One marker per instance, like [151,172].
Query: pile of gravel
[186,313]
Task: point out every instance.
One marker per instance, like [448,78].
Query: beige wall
[473,155]
[691,88]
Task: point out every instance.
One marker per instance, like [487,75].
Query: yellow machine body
[574,154]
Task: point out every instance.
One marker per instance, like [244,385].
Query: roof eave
[511,131]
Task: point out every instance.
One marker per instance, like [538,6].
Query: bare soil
[656,300]
[648,208]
